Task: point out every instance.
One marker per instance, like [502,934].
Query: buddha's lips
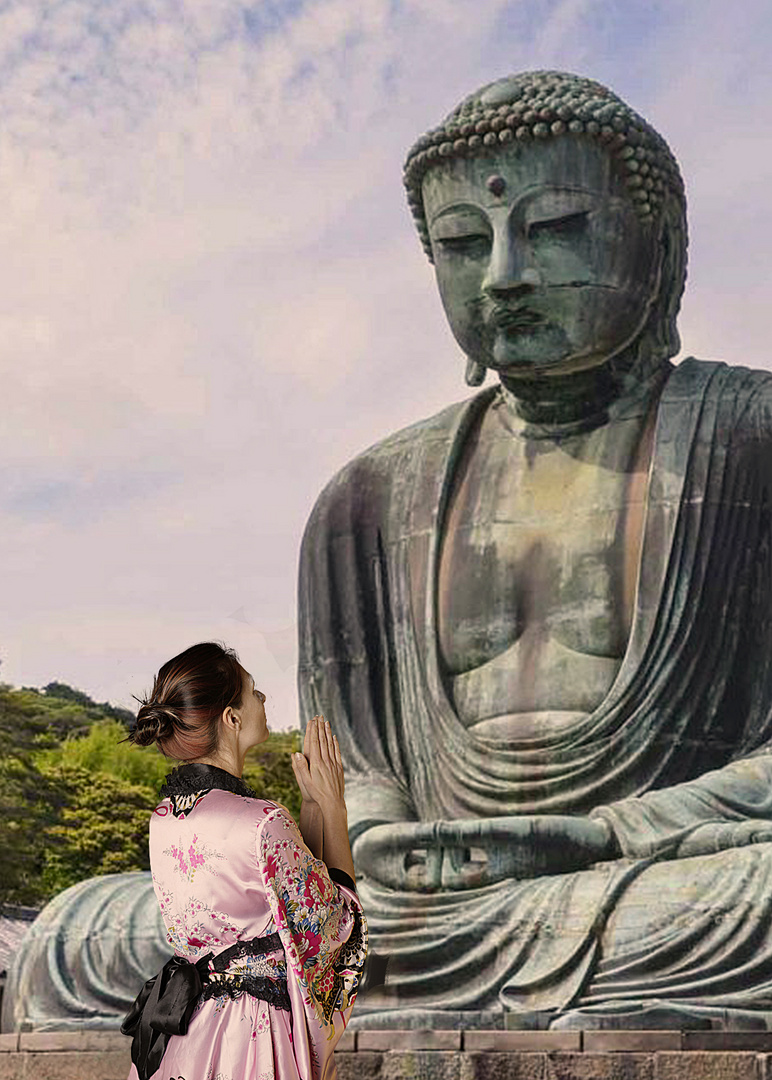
[506,318]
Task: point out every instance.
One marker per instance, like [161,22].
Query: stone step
[445,1055]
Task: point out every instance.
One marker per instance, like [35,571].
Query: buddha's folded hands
[715,836]
[467,854]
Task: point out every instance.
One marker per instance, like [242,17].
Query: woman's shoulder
[198,805]
[269,808]
[276,812]
[277,827]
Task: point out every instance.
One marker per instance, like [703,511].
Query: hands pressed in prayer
[319,770]
[425,856]
[323,817]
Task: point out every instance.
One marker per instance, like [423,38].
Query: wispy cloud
[211,297]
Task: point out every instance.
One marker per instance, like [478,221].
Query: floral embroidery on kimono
[305,903]
[196,856]
[186,930]
[257,878]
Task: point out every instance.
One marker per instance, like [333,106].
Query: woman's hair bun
[182,713]
[154,722]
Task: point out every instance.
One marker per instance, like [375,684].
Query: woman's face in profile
[254,723]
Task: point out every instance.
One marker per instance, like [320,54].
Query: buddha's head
[556,221]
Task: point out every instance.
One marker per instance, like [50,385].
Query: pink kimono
[228,868]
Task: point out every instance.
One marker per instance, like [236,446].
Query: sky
[212,297]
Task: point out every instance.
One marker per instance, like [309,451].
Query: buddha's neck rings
[571,403]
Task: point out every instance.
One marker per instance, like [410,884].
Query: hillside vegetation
[75,802]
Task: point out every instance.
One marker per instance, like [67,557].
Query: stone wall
[446,1055]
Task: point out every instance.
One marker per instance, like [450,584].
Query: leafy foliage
[75,800]
[63,692]
[30,719]
[99,826]
[277,780]
[20,832]
[100,750]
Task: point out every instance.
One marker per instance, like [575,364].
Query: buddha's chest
[540,542]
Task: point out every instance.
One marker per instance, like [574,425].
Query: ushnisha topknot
[542,105]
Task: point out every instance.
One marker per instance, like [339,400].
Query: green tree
[97,709]
[99,826]
[277,779]
[32,724]
[30,719]
[100,750]
[20,831]
[75,800]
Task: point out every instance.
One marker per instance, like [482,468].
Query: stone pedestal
[446,1055]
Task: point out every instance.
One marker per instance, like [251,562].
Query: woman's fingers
[323,740]
[334,753]
[300,777]
[315,741]
[318,743]
[332,757]
[311,756]
[330,743]
[323,755]
[307,738]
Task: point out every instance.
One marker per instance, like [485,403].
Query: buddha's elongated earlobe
[475,372]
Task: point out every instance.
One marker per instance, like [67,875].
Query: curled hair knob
[154,722]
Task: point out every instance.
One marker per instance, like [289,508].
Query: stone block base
[446,1055]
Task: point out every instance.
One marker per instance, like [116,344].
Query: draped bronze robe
[682,738]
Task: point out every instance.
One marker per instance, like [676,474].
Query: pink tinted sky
[212,297]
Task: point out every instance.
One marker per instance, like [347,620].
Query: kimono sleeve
[321,924]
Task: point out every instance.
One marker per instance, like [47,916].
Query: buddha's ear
[475,372]
[672,278]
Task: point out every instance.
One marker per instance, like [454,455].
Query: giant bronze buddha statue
[540,620]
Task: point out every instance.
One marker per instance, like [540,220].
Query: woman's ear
[230,718]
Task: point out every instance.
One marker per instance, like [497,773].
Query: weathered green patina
[540,620]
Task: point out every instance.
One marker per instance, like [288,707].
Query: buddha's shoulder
[741,396]
[372,474]
[723,378]
[437,428]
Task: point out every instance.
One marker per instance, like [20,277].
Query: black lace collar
[198,778]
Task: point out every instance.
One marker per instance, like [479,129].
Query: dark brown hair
[190,693]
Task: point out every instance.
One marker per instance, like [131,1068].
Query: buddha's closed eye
[567,225]
[465,244]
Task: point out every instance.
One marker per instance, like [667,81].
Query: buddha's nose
[509,270]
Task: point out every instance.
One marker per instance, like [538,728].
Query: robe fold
[676,758]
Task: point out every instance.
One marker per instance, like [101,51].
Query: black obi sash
[166,1003]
